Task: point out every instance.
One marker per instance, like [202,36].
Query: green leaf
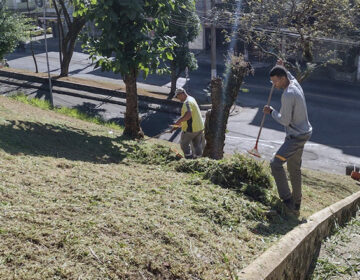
[169,56]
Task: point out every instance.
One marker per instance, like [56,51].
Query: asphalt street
[333,108]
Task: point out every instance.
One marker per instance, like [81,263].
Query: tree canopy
[13,30]
[129,41]
[293,29]
[184,26]
[128,36]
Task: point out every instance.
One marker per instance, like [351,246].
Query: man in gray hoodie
[293,116]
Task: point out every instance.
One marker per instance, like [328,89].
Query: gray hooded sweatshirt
[293,113]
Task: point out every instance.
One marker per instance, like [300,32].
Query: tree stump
[223,96]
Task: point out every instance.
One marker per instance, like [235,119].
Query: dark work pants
[290,152]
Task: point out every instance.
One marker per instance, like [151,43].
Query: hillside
[78,201]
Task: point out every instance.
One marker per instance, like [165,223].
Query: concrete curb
[95,93]
[292,256]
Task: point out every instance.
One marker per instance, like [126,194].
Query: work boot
[292,209]
[297,209]
[289,203]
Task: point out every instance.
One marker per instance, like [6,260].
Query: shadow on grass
[277,226]
[317,183]
[31,138]
[279,223]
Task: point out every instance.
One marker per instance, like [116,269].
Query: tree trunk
[132,123]
[68,45]
[174,78]
[222,98]
[68,41]
[31,42]
[215,125]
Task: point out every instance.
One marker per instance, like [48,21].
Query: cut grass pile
[240,173]
[78,201]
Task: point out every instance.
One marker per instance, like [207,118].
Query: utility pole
[47,58]
[213,42]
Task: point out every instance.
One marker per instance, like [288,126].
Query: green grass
[79,201]
[71,112]
[339,254]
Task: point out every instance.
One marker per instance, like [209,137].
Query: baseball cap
[179,90]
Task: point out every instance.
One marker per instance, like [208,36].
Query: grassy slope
[74,204]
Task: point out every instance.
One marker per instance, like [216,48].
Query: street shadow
[60,141]
[42,92]
[77,71]
[90,109]
[154,123]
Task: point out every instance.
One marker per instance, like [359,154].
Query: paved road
[333,110]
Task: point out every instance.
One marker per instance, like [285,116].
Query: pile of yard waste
[237,172]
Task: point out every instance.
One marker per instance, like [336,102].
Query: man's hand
[268,109]
[174,127]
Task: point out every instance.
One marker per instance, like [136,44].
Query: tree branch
[66,14]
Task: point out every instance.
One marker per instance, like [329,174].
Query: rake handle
[263,118]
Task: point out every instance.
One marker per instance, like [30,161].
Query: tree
[223,96]
[69,29]
[13,29]
[293,29]
[184,27]
[31,41]
[130,42]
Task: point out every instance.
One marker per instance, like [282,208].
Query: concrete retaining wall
[292,256]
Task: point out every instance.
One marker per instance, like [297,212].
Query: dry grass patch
[78,202]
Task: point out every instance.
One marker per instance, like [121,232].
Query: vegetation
[13,30]
[339,254]
[69,29]
[78,201]
[293,30]
[71,112]
[130,41]
[184,26]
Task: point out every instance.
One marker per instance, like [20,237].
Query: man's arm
[187,116]
[284,116]
[184,118]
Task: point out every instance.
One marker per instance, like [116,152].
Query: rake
[255,151]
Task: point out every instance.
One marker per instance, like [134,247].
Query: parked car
[38,31]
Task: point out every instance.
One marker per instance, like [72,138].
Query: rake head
[254,152]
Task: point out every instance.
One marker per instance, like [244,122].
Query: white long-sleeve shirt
[293,113]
